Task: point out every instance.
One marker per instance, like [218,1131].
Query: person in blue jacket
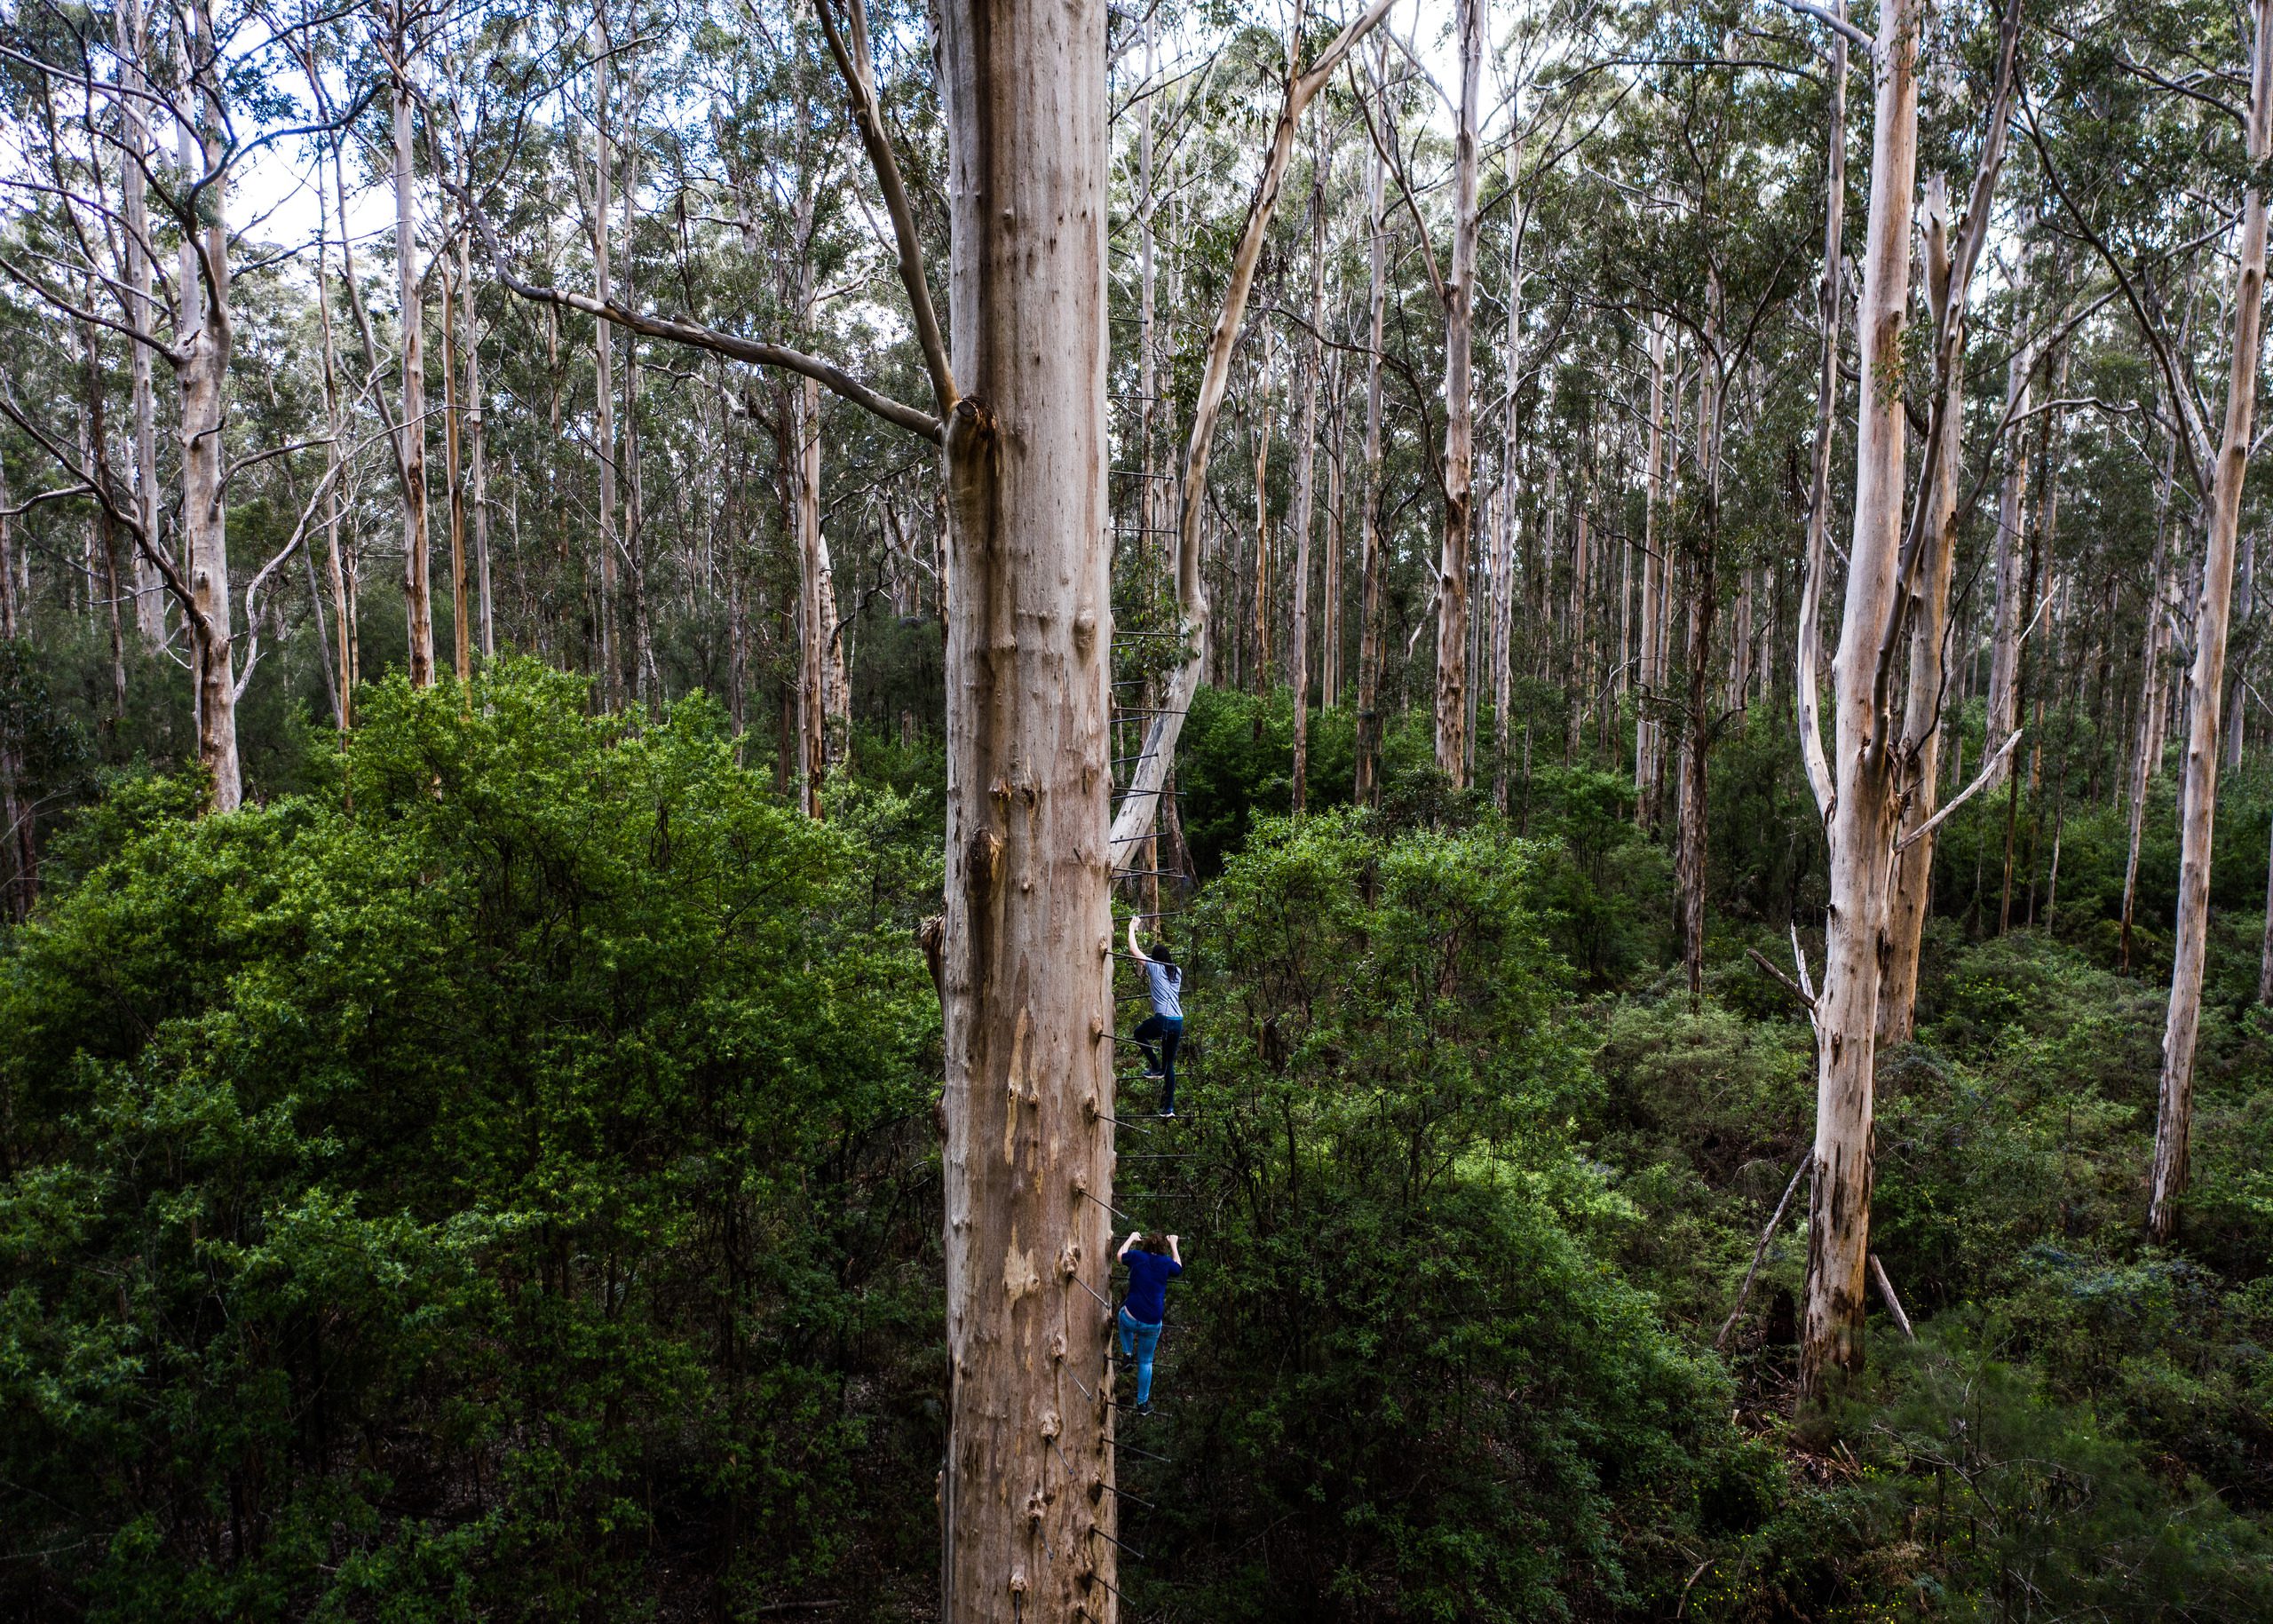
[1164,983]
[1153,1261]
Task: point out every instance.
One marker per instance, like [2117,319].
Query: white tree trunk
[1460,413]
[2012,518]
[603,368]
[1369,494]
[477,455]
[454,290]
[2174,1116]
[1651,676]
[1861,824]
[149,592]
[1157,760]
[416,579]
[206,338]
[1298,649]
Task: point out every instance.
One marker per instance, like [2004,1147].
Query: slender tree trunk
[149,591]
[202,376]
[1690,848]
[2244,606]
[604,366]
[1862,820]
[1650,677]
[2174,1118]
[1260,580]
[1918,763]
[1298,648]
[1369,496]
[2012,520]
[477,456]
[1301,86]
[1330,575]
[343,684]
[454,470]
[417,576]
[1460,413]
[646,681]
[1510,502]
[106,529]
[2147,758]
[1026,1499]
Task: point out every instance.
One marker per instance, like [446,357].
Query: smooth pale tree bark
[2012,520]
[1651,676]
[1861,823]
[1025,1498]
[477,450]
[1298,649]
[1367,791]
[132,42]
[1889,569]
[1510,453]
[646,686]
[1158,758]
[453,469]
[604,366]
[2146,753]
[206,336]
[1260,580]
[2174,1120]
[344,683]
[824,709]
[1830,294]
[1459,413]
[1330,584]
[416,575]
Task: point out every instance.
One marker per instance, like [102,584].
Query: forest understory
[610,619]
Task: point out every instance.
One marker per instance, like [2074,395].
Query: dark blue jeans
[1168,1035]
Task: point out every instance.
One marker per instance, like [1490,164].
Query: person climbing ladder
[1165,1025]
[1153,1263]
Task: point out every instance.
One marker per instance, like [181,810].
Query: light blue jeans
[1137,1341]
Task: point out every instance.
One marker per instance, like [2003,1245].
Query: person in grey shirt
[1165,1026]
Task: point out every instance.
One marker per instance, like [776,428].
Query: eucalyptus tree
[98,260]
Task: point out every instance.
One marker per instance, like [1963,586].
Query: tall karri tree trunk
[2175,1115]
[1026,984]
[1861,818]
[1453,674]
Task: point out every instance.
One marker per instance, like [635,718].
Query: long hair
[1166,960]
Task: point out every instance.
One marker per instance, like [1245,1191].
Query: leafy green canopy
[461,1194]
[1403,1382]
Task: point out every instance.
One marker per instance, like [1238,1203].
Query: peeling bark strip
[1025,975]
[2175,1115]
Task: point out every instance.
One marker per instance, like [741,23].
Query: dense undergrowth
[496,1178]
